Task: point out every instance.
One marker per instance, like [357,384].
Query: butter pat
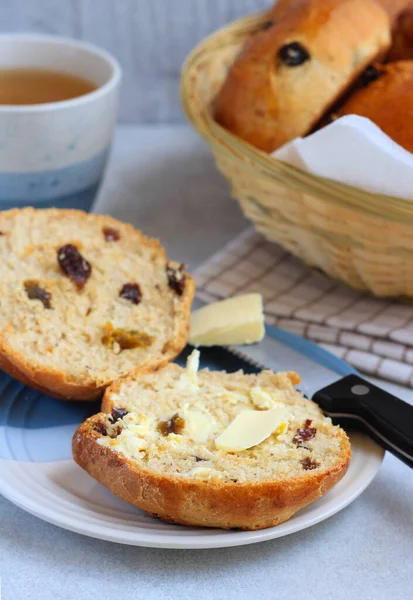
[206,473]
[192,366]
[262,399]
[234,321]
[250,428]
[198,425]
[189,377]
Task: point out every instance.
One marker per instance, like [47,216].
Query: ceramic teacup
[54,154]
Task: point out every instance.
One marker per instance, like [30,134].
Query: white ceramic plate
[37,473]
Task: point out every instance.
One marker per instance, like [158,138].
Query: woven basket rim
[393,208]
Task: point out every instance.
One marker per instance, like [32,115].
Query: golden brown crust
[202,503]
[47,383]
[394,8]
[387,101]
[52,381]
[282,6]
[267,103]
[402,46]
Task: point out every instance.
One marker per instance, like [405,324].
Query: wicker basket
[360,238]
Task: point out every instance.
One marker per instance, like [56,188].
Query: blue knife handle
[385,418]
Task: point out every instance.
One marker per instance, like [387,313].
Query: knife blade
[272,354]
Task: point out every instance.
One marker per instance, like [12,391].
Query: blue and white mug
[54,154]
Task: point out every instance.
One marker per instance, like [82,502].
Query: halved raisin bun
[212,449]
[85,299]
[293,70]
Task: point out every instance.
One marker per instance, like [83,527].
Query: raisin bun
[291,72]
[402,46]
[280,7]
[393,8]
[212,449]
[387,100]
[85,299]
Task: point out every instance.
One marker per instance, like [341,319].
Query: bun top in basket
[85,299]
[387,101]
[394,8]
[402,46]
[291,72]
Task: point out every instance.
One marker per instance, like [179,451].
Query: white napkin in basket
[353,150]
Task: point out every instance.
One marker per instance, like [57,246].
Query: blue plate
[37,428]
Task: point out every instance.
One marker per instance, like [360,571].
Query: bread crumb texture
[90,325]
[174,419]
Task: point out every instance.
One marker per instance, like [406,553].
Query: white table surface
[164,181]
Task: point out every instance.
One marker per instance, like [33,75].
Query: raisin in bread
[294,70]
[85,299]
[162,448]
[387,101]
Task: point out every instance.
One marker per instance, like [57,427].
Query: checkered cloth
[374,335]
